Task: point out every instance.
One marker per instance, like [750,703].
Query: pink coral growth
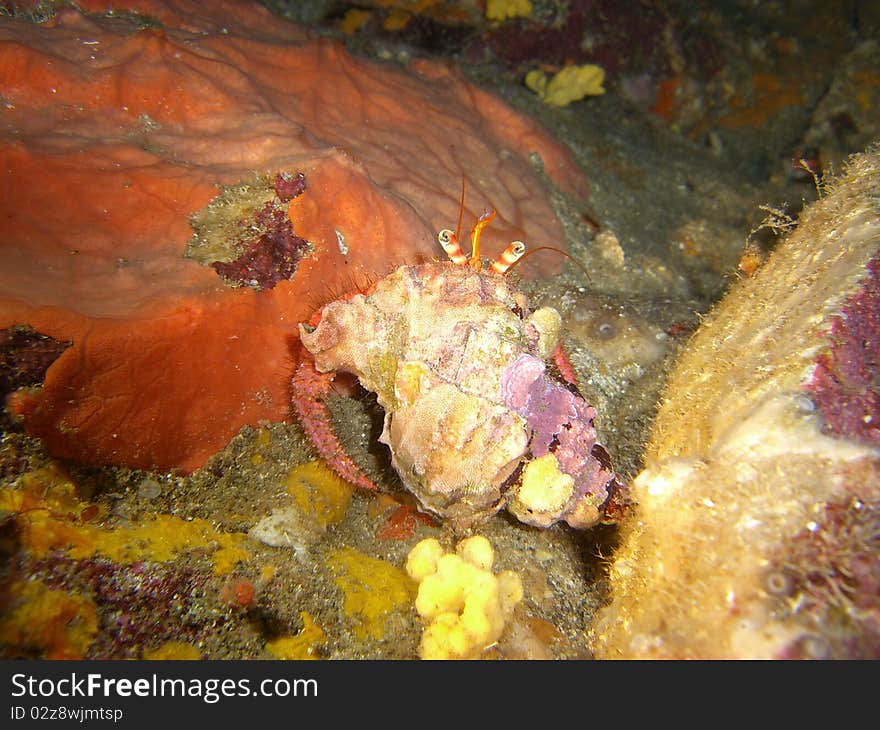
[846,382]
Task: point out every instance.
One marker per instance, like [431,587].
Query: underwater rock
[846,119]
[620,341]
[757,531]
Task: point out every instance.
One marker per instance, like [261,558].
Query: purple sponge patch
[846,382]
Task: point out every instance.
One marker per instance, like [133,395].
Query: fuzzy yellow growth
[319,493]
[745,496]
[572,83]
[372,590]
[52,624]
[173,651]
[302,646]
[466,604]
[507,9]
[47,497]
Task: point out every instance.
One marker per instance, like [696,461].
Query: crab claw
[309,390]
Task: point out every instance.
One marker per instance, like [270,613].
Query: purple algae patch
[275,253]
[561,422]
[518,381]
[617,36]
[288,186]
[139,606]
[556,416]
[846,381]
[25,356]
[272,257]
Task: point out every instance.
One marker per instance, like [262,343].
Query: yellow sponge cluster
[506,9]
[466,604]
[572,83]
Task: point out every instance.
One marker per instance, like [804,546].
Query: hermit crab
[481,406]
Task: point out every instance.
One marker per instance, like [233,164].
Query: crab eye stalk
[449,241]
[509,256]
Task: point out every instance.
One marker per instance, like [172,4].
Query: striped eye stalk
[449,241]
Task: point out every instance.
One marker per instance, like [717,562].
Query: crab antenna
[484,220]
[509,256]
[460,208]
[528,253]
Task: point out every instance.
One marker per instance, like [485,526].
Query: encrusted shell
[454,451]
[457,362]
[432,341]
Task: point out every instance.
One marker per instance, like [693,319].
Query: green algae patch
[303,645]
[224,227]
[373,589]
